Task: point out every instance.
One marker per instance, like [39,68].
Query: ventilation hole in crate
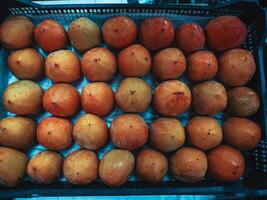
[259,155]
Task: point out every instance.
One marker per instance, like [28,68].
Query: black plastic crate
[254,182]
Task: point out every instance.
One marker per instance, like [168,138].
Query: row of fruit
[222,33]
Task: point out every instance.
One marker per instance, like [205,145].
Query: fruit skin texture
[133,95]
[204,132]
[201,66]
[236,67]
[169,63]
[241,133]
[189,165]
[225,32]
[90,132]
[226,164]
[62,66]
[167,134]
[128,131]
[97,98]
[171,98]
[55,133]
[135,60]
[99,64]
[151,165]
[23,97]
[242,101]
[190,37]
[26,64]
[12,166]
[119,32]
[9,32]
[209,98]
[61,100]
[17,132]
[50,35]
[45,167]
[116,166]
[81,167]
[84,34]
[156,33]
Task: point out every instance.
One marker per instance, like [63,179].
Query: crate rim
[123,5]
